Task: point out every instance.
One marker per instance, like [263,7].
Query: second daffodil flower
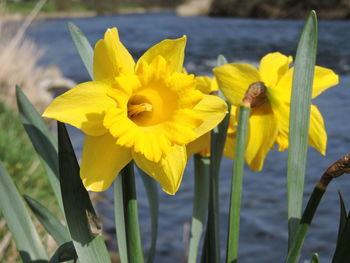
[146,112]
[269,121]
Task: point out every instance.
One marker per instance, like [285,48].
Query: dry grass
[19,59]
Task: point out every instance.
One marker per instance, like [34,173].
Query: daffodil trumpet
[146,111]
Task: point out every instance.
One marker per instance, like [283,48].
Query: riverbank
[272,9]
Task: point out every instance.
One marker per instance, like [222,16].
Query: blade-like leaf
[83,46]
[342,218]
[64,252]
[52,225]
[153,201]
[342,251]
[18,220]
[82,221]
[200,204]
[42,140]
[212,237]
[299,121]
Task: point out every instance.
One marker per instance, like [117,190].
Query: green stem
[309,212]
[200,203]
[132,227]
[120,219]
[236,186]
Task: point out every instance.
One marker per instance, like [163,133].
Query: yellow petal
[230,144]
[229,148]
[168,171]
[102,161]
[263,129]
[324,78]
[272,67]
[200,145]
[83,107]
[234,79]
[111,58]
[172,50]
[317,132]
[203,84]
[212,110]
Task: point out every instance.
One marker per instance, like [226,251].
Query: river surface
[263,236]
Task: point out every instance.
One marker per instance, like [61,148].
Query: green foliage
[82,221]
[299,121]
[20,160]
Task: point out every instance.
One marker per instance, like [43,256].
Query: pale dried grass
[19,59]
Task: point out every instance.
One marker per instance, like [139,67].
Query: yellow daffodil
[269,121]
[146,112]
[201,145]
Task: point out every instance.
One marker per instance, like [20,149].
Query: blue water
[263,225]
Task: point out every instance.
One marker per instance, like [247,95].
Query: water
[263,225]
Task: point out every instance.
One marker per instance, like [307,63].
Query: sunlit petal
[172,50]
[83,107]
[111,58]
[168,171]
[102,161]
[212,109]
[324,79]
[263,128]
[201,145]
[234,79]
[317,132]
[272,67]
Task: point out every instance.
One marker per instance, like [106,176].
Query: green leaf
[82,221]
[64,252]
[212,237]
[83,46]
[221,60]
[200,204]
[342,219]
[19,222]
[299,121]
[153,201]
[303,227]
[42,140]
[236,185]
[342,251]
[52,225]
[315,258]
[120,219]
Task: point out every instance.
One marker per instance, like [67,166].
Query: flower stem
[236,186]
[132,227]
[200,203]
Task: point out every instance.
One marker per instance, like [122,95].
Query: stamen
[135,110]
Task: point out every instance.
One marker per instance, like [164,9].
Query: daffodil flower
[269,122]
[146,112]
[201,145]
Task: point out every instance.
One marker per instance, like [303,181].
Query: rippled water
[264,223]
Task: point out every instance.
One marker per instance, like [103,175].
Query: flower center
[139,109]
[136,110]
